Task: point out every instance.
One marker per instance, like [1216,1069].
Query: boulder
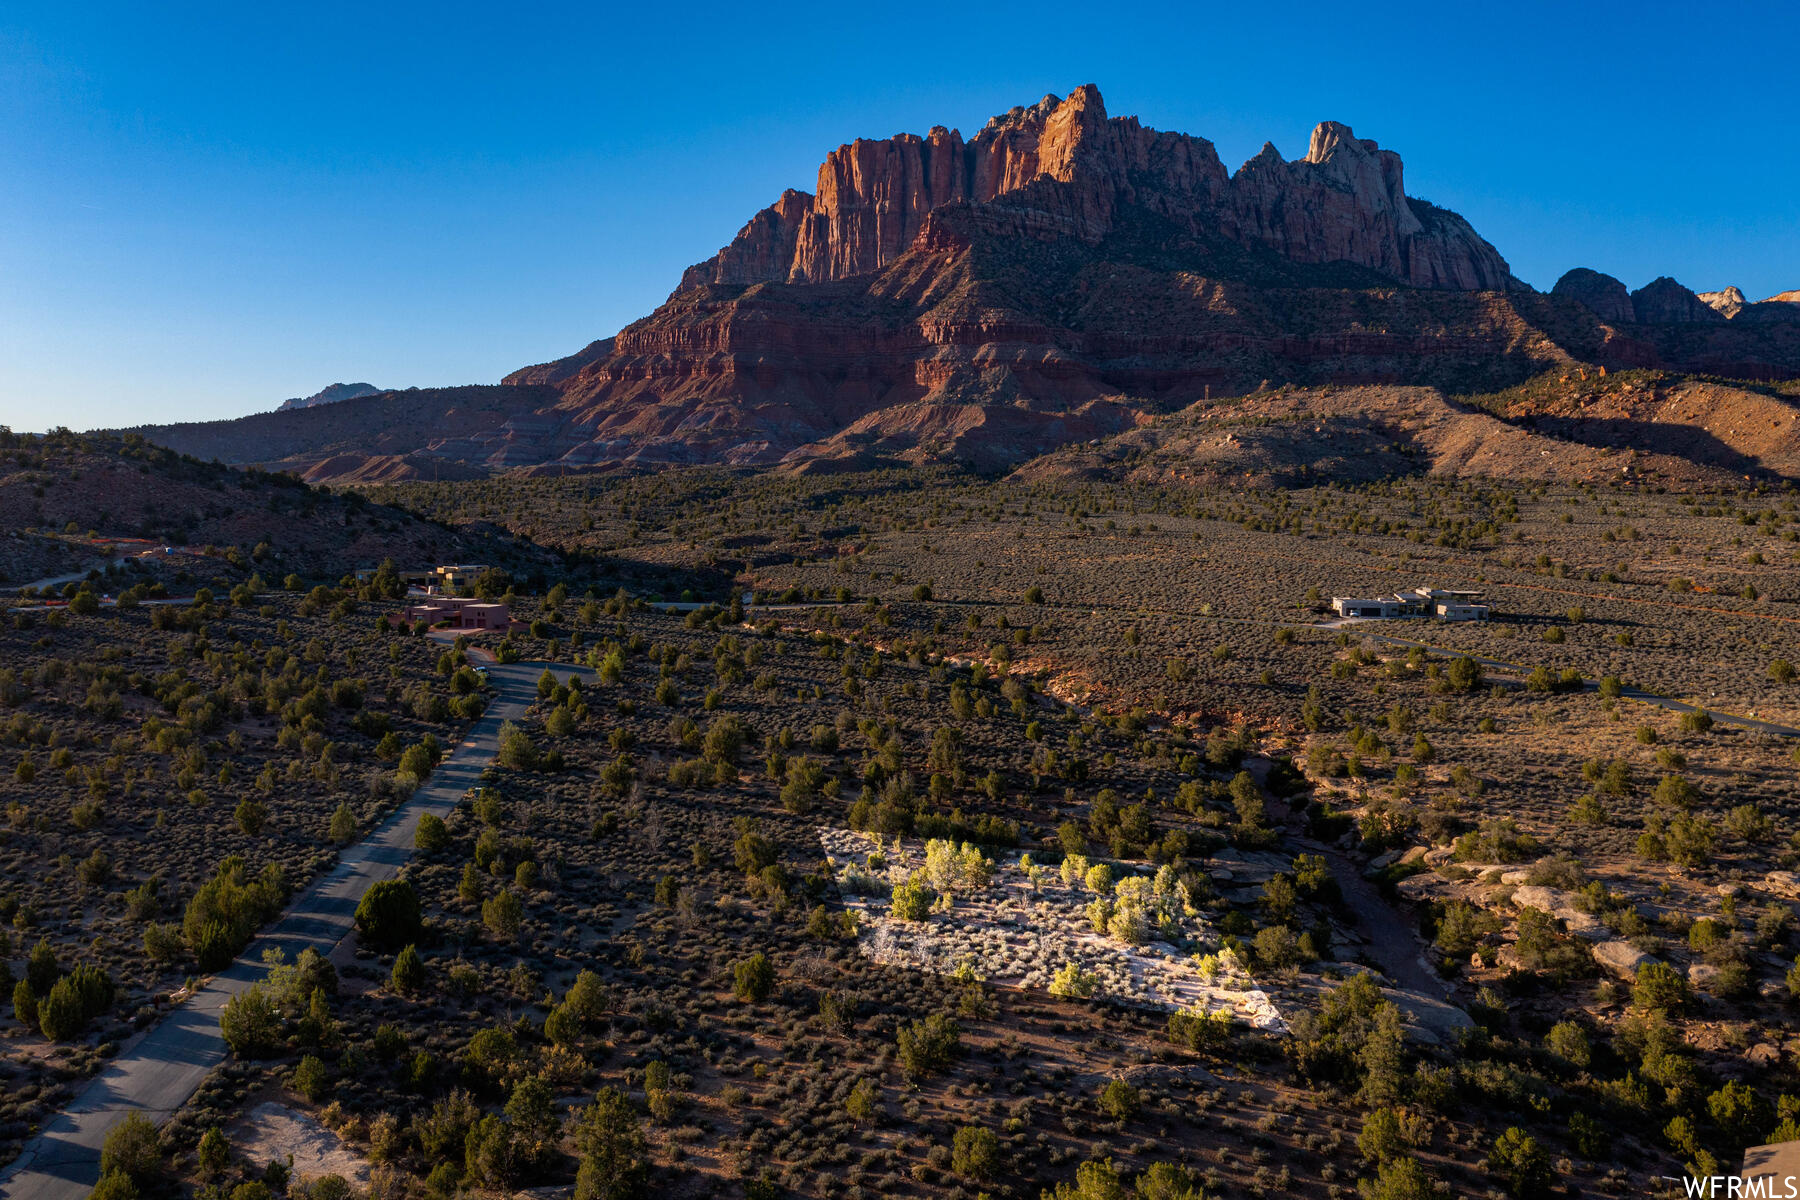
[1620,958]
[1782,883]
[1545,898]
[1419,887]
[1585,926]
[1380,863]
[1427,1018]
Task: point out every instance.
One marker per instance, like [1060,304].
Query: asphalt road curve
[156,1073]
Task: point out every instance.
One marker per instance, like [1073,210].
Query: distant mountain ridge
[1060,277]
[330,395]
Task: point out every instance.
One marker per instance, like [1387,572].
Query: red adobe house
[459,613]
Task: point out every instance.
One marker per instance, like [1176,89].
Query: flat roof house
[459,613]
[1457,610]
[1446,604]
[1366,606]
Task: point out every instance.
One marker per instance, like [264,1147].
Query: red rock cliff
[1068,167]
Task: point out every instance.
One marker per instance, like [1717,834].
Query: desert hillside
[1580,428]
[69,484]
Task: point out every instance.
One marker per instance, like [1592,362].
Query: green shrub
[1569,1042]
[1095,1179]
[1276,948]
[1383,1136]
[1520,1164]
[1659,987]
[911,901]
[516,749]
[389,915]
[1073,983]
[250,1024]
[432,835]
[863,1104]
[251,815]
[753,978]
[59,1015]
[1398,1179]
[408,974]
[612,1149]
[502,913]
[74,1000]
[214,1152]
[25,1003]
[975,1152]
[928,1045]
[131,1149]
[228,909]
[116,1186]
[310,1078]
[1119,1100]
[1463,674]
[1199,1031]
[40,968]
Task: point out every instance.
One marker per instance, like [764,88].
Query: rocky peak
[1663,301]
[1346,202]
[1603,295]
[1268,156]
[1726,301]
[763,248]
[1328,137]
[330,394]
[1078,122]
[1373,174]
[1063,167]
[1021,115]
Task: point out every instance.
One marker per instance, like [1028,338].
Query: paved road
[99,564]
[105,602]
[156,1074]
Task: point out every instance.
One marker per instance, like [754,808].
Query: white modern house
[1444,604]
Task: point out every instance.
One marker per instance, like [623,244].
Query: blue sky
[207,209]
